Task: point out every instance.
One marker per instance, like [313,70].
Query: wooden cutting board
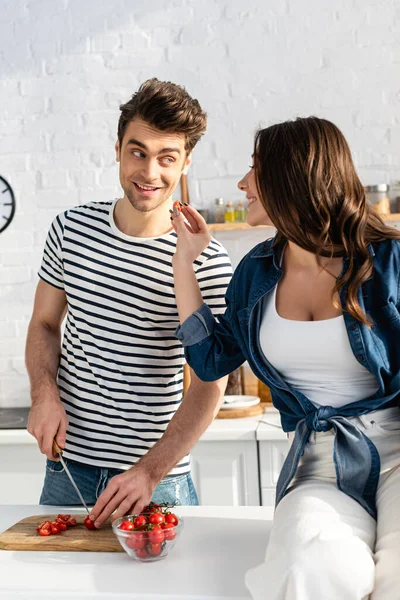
[23,536]
[237,413]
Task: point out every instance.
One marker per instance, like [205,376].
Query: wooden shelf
[233,226]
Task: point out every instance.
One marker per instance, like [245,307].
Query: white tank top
[314,357]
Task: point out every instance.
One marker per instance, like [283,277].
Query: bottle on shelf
[219,210]
[229,212]
[241,212]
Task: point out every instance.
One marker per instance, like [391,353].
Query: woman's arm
[192,240]
[211,347]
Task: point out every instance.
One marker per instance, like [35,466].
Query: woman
[315,312]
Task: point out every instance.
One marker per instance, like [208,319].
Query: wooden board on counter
[23,536]
[239,413]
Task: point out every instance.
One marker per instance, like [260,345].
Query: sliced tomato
[64,517]
[71,522]
[45,531]
[55,529]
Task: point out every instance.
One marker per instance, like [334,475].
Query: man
[111,396]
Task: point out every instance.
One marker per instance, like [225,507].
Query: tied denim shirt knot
[320,419]
[356,458]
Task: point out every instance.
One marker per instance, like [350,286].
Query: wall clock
[7,204]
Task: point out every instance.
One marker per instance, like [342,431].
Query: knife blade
[57,451]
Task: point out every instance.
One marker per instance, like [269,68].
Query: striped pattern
[121,368]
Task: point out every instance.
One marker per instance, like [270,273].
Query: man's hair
[167,107]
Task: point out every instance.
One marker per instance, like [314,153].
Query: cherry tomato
[141,553]
[39,526]
[156,518]
[169,531]
[137,540]
[156,535]
[64,517]
[62,526]
[171,518]
[140,521]
[154,549]
[55,529]
[71,522]
[178,205]
[127,525]
[89,524]
[45,531]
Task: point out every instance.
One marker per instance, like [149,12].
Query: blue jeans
[92,481]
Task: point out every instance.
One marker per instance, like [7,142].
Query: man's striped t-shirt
[121,368]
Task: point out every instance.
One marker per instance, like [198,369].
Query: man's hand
[126,493]
[48,420]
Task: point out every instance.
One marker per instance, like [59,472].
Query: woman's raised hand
[193,234]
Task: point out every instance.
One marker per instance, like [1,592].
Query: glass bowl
[147,546]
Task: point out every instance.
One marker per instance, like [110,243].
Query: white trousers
[323,544]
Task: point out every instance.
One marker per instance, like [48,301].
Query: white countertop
[261,427]
[216,548]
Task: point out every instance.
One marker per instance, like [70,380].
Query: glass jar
[219,210]
[378,196]
[229,213]
[241,212]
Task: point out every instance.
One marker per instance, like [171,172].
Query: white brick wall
[66,65]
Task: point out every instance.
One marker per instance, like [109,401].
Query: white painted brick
[54,179]
[131,42]
[5,366]
[13,163]
[91,64]
[11,143]
[105,43]
[13,238]
[59,199]
[164,36]
[18,366]
[151,57]
[109,177]
[149,16]
[7,330]
[15,389]
[12,275]
[82,177]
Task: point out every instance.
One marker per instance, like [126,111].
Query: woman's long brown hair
[310,189]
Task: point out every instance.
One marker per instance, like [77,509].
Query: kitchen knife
[57,452]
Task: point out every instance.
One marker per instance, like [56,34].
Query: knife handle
[56,449]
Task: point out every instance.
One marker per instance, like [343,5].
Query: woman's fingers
[194,218]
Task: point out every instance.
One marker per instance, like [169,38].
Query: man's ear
[117,151]
[188,162]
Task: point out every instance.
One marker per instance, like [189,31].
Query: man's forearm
[42,357]
[198,409]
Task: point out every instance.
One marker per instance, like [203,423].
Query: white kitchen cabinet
[273,447]
[226,473]
[22,468]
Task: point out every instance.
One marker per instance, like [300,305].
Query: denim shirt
[214,349]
